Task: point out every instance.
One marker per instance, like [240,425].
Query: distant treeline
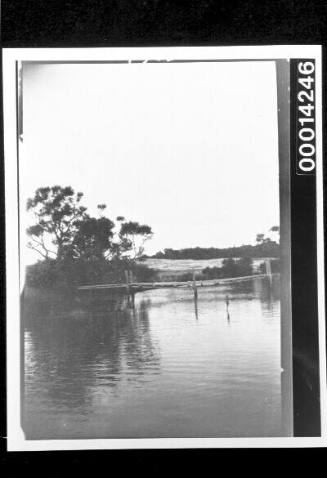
[265,249]
[231,268]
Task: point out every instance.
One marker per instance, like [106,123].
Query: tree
[78,248]
[58,214]
[245,267]
[133,237]
[93,239]
[229,268]
[260,238]
[276,233]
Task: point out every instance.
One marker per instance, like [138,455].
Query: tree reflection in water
[97,368]
[72,346]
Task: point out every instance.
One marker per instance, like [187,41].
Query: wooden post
[131,290]
[195,290]
[128,288]
[127,281]
[196,309]
[268,269]
[131,278]
[227,302]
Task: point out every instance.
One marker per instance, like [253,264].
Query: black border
[118,23]
[306,386]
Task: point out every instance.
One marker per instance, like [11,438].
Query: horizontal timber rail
[142,286]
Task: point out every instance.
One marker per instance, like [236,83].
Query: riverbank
[175,269]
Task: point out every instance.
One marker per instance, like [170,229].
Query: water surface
[95,368]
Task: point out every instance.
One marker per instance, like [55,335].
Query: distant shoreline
[265,248]
[176,268]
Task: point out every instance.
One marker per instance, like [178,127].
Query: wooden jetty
[131,287]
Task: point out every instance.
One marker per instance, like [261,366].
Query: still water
[95,368]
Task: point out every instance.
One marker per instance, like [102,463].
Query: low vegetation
[266,246]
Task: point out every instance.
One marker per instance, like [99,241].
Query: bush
[212,272]
[70,273]
[115,272]
[244,266]
[186,277]
[42,274]
[143,273]
[230,268]
[62,274]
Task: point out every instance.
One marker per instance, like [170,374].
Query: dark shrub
[230,268]
[244,266]
[186,277]
[70,273]
[143,273]
[212,272]
[42,274]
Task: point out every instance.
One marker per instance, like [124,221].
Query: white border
[16,440]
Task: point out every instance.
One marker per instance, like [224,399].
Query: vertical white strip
[14,431]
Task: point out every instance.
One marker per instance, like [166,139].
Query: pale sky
[190,149]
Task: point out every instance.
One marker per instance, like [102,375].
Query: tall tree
[64,229]
[133,237]
[93,239]
[58,213]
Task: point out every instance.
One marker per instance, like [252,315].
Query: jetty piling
[127,282]
[129,289]
[195,289]
[132,291]
[227,303]
[268,270]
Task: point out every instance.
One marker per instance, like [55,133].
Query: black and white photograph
[149,217]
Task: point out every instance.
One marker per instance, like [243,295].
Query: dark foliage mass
[70,273]
[230,268]
[270,249]
[238,268]
[77,248]
[264,247]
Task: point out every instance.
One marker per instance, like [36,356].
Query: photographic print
[149,214]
